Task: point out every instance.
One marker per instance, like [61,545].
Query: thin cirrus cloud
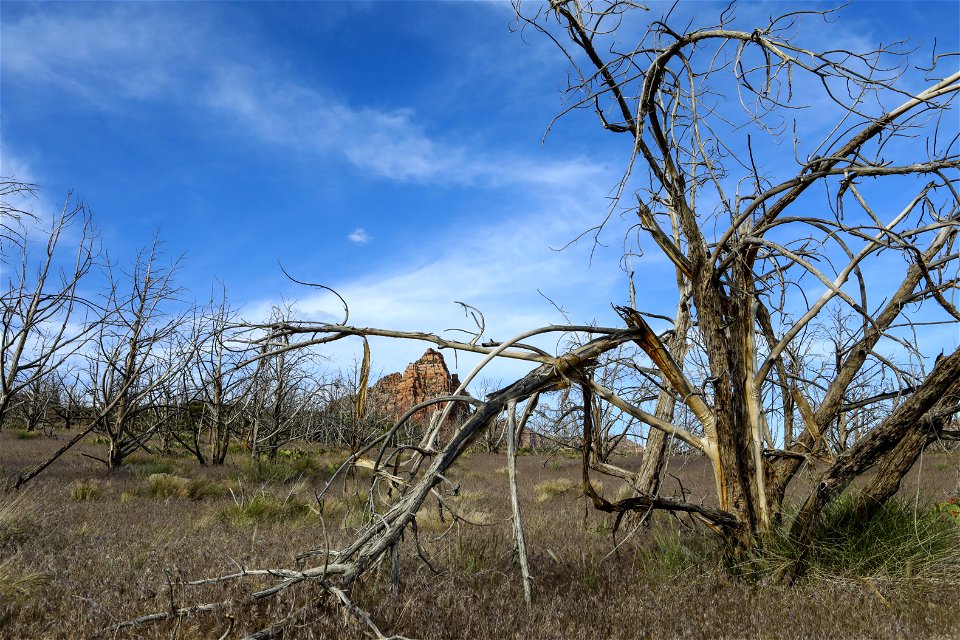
[101,56]
[389,144]
[136,53]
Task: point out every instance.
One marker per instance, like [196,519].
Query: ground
[83,548]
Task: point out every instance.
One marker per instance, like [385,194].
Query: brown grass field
[82,549]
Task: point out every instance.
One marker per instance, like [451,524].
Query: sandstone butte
[426,378]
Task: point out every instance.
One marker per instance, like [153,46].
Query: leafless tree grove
[46,320]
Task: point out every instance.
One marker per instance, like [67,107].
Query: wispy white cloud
[24,201]
[36,209]
[137,53]
[501,269]
[391,144]
[117,52]
[359,236]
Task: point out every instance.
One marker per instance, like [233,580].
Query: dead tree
[775,226]
[137,352]
[45,321]
[220,383]
[281,387]
[744,235]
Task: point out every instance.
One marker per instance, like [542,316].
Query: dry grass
[69,568]
[16,515]
[85,490]
[464,508]
[551,489]
[17,523]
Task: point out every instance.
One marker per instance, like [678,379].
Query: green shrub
[292,464]
[470,555]
[237,447]
[330,508]
[85,490]
[328,468]
[670,551]
[23,434]
[166,485]
[260,471]
[292,454]
[950,508]
[356,508]
[200,488]
[306,466]
[901,541]
[263,508]
[553,489]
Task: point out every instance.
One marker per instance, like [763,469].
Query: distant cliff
[426,378]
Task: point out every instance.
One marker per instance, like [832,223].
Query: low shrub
[260,471]
[670,551]
[200,488]
[263,508]
[23,434]
[14,582]
[900,542]
[167,485]
[330,508]
[85,490]
[163,486]
[625,491]
[553,489]
[355,506]
[306,466]
[146,467]
[557,463]
[434,520]
[237,448]
[292,454]
[472,554]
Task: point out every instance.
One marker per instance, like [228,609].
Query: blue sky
[391,150]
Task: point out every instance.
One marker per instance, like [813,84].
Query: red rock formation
[426,378]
